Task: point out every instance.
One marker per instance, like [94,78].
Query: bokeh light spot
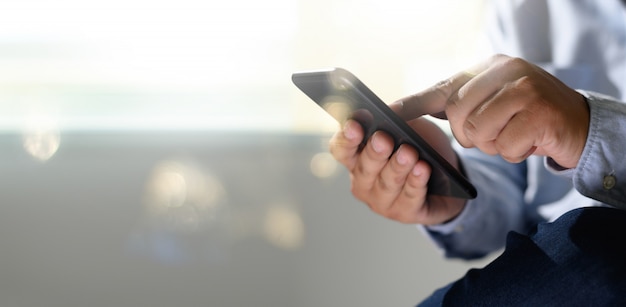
[182,198]
[41,137]
[338,109]
[284,227]
[324,165]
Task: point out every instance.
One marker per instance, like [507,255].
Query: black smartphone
[344,97]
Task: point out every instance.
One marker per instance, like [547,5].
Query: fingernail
[417,171]
[376,144]
[401,158]
[348,130]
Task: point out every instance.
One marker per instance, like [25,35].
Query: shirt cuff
[557,169]
[453,226]
[601,172]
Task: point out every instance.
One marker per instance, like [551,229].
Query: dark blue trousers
[577,260]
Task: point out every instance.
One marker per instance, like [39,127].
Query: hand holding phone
[344,97]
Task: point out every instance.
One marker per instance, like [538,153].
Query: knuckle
[361,171]
[502,148]
[390,182]
[480,136]
[498,57]
[415,194]
[515,63]
[383,184]
[471,130]
[453,105]
[459,134]
[508,152]
[526,85]
[341,152]
[399,180]
[442,88]
[409,194]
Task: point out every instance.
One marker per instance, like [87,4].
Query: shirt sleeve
[601,171]
[483,224]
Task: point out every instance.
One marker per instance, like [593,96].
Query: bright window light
[216,65]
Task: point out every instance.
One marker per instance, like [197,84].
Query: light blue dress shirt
[583,43]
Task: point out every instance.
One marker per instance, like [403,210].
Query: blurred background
[156,153]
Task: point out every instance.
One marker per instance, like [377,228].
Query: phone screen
[345,97]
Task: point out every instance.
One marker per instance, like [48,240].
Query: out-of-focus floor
[198,219]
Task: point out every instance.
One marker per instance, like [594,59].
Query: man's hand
[509,107]
[395,186]
[503,106]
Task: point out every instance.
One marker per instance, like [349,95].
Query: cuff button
[609,182]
